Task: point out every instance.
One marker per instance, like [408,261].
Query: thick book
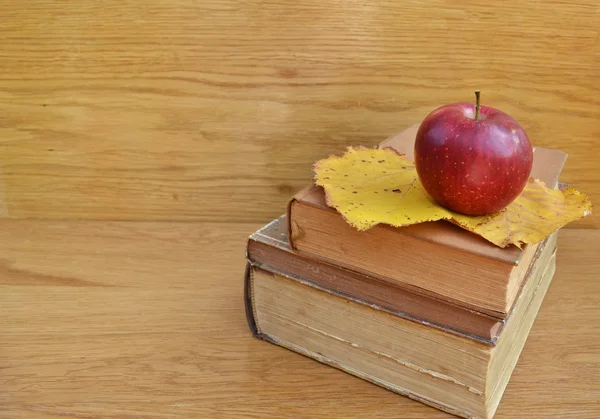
[450,372]
[438,258]
[269,250]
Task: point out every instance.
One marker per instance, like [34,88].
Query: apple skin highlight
[473,167]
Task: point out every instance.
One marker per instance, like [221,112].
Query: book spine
[292,227]
[248,303]
[250,310]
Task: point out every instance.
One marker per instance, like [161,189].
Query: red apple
[472,160]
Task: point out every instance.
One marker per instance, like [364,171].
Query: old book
[453,373]
[268,249]
[438,258]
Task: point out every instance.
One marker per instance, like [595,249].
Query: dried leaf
[372,186]
[533,216]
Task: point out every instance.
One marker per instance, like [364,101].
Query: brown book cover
[477,274]
[268,249]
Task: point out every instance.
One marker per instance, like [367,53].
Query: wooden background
[215,110]
[121,119]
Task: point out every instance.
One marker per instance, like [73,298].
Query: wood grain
[215,110]
[145,320]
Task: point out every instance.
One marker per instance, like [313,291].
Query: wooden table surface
[146,320]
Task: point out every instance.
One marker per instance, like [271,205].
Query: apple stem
[476,105]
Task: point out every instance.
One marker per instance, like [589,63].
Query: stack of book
[430,311]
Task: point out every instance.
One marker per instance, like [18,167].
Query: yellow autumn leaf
[372,186]
[533,216]
[369,186]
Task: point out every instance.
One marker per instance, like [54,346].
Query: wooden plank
[215,110]
[146,320]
